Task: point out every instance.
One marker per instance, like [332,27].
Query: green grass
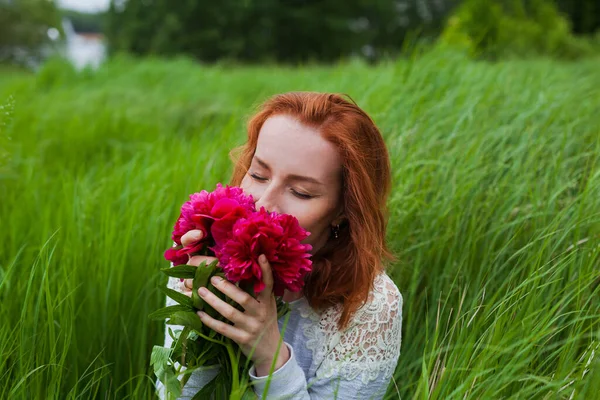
[495,216]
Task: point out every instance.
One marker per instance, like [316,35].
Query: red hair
[346,267]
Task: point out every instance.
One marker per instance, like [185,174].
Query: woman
[321,159]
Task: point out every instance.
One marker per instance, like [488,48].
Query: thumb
[191,237]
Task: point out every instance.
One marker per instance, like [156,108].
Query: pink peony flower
[172,255]
[278,237]
[214,213]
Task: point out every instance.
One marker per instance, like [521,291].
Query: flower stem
[235,380]
[209,339]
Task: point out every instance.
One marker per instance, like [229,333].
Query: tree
[584,14]
[24,28]
[498,28]
[258,30]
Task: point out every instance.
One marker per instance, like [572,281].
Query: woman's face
[296,171]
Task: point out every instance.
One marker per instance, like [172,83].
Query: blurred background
[254,31]
[113,112]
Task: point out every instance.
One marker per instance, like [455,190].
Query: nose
[268,200]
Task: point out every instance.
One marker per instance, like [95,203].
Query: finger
[226,310]
[191,237]
[183,289]
[267,278]
[236,334]
[236,294]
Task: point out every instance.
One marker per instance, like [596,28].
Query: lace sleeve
[356,363]
[369,348]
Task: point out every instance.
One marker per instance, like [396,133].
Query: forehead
[290,147]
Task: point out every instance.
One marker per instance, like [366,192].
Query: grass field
[495,216]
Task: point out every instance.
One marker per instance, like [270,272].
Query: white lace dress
[325,363]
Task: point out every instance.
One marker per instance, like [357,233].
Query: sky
[84,5]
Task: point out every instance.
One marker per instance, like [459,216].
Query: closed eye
[302,195]
[258,178]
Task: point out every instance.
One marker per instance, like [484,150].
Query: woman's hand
[255,329]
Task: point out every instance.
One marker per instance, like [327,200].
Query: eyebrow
[291,176]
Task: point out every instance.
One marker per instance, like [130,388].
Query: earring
[336,231]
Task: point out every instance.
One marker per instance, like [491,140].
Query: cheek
[249,188]
[314,219]
[313,216]
[244,184]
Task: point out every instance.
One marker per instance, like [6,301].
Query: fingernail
[197,235]
[262,258]
[201,314]
[202,291]
[216,280]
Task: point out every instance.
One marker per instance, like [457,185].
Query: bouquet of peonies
[236,234]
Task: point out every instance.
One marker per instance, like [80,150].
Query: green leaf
[181,271]
[174,334]
[196,299]
[178,296]
[179,344]
[168,377]
[160,355]
[186,318]
[249,394]
[210,353]
[207,308]
[166,312]
[203,273]
[223,389]
[159,359]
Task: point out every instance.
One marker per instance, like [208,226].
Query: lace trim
[369,347]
